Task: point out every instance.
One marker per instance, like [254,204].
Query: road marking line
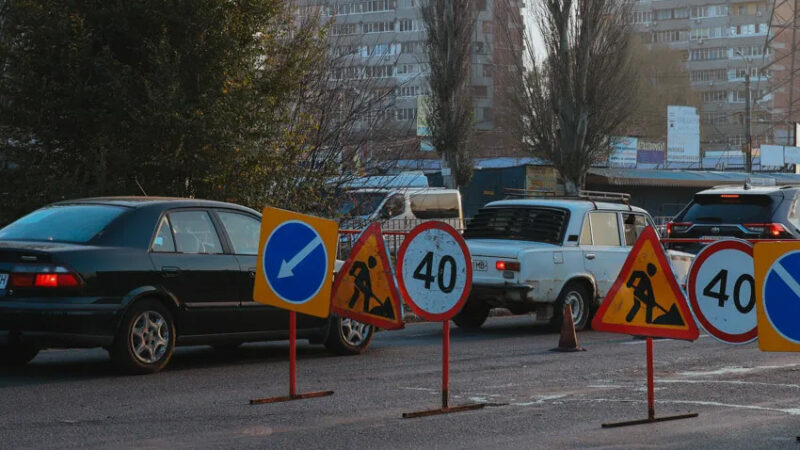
[789,411]
[420,389]
[644,341]
[732,370]
[737,382]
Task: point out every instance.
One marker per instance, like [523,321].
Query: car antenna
[136,180]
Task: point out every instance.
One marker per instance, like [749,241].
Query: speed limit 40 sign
[434,271]
[722,291]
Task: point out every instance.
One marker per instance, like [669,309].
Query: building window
[344,28]
[709,54]
[378,27]
[709,11]
[669,14]
[379,71]
[669,36]
[707,33]
[715,96]
[405,114]
[479,91]
[715,118]
[642,16]
[708,75]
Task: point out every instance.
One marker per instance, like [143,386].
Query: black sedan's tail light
[44,280]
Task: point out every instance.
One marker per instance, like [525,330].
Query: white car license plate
[3,280]
[714,238]
[480,265]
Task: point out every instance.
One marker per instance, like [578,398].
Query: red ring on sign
[401,283]
[728,244]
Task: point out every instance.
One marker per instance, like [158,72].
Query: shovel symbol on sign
[643,295]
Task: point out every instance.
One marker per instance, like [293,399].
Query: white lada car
[537,255]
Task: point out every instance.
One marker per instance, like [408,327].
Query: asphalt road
[746,398]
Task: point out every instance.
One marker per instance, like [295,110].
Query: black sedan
[138,276]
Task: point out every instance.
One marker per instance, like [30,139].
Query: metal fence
[394,232]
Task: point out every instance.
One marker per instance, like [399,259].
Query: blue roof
[684,178]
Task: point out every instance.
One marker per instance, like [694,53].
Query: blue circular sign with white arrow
[782,296]
[295,262]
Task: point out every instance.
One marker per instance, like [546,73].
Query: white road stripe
[789,411]
[787,278]
[644,341]
[735,382]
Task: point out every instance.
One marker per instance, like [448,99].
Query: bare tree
[664,81]
[450,26]
[577,84]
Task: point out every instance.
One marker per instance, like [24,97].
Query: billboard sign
[683,134]
[650,152]
[623,152]
[771,155]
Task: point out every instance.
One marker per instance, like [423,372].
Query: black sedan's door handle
[170,271]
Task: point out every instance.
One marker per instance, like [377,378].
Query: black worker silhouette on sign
[643,295]
[363,288]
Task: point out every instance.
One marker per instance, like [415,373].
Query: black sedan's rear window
[729,208]
[64,223]
[539,224]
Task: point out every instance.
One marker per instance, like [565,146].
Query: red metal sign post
[646,279]
[293,395]
[295,261]
[651,398]
[434,273]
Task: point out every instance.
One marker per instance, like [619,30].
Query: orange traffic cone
[568,342]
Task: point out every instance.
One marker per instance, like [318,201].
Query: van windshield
[359,204]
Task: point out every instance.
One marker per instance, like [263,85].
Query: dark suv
[741,212]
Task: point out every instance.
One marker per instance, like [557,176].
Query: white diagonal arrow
[787,278]
[288,266]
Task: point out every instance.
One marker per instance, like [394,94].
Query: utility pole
[791,128]
[748,137]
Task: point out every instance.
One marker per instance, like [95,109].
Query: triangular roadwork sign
[365,288]
[645,300]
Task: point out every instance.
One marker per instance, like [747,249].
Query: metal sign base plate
[288,398]
[649,420]
[436,412]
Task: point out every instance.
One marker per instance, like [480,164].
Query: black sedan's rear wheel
[348,337]
[146,338]
[17,354]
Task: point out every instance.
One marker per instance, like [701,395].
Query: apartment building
[382,42]
[721,42]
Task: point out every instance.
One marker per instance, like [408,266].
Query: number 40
[424,272]
[721,279]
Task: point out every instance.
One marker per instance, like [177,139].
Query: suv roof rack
[592,196]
